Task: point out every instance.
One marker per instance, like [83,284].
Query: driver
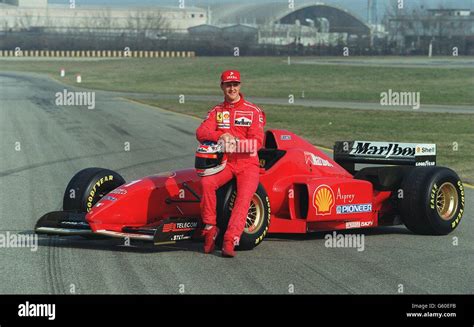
[237,125]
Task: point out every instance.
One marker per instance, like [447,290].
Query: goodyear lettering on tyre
[434,190]
[259,239]
[93,191]
[461,207]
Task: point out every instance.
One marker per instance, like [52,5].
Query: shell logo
[323,200]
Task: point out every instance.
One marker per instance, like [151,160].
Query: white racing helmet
[210,159]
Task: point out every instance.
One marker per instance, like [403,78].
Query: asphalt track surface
[56,142]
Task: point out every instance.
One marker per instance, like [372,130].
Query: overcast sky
[358,7]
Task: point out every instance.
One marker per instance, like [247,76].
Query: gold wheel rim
[447,201]
[254,215]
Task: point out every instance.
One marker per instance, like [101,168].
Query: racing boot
[210,235]
[228,247]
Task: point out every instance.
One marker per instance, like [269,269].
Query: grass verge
[263,77]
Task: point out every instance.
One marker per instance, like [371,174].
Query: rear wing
[349,153]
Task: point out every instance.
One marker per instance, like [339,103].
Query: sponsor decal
[426,163]
[311,158]
[260,119]
[425,155]
[344,197]
[219,117]
[231,76]
[226,117]
[285,137]
[180,237]
[242,118]
[419,154]
[75,223]
[223,126]
[120,191]
[382,149]
[323,200]
[358,224]
[179,227]
[110,198]
[353,208]
[425,149]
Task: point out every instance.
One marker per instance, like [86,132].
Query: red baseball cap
[230,76]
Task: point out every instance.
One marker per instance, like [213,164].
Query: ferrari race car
[301,190]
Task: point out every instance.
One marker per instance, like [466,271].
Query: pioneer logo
[382,149]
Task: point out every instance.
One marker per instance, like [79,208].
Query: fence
[97,54]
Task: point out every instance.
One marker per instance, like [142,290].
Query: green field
[263,77]
[453,134]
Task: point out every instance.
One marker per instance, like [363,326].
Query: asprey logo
[344,197]
[323,200]
[382,149]
[243,118]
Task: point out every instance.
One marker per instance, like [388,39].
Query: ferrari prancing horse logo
[323,200]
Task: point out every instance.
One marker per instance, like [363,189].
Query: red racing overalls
[244,121]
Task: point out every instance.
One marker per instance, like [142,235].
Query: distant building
[445,28]
[307,24]
[20,15]
[286,34]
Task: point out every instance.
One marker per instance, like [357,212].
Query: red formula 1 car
[301,190]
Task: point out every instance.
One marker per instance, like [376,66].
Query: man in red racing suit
[239,125]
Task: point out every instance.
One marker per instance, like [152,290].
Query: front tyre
[88,186]
[432,201]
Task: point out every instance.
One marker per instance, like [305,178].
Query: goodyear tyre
[88,186]
[432,201]
[258,216]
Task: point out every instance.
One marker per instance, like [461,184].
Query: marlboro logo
[243,118]
[381,149]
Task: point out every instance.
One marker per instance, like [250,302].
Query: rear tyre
[88,186]
[258,216]
[432,201]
